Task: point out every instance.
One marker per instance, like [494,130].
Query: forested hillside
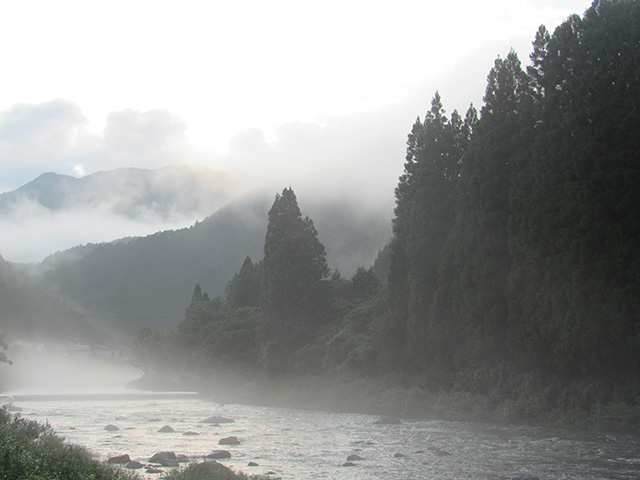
[140,281]
[28,313]
[514,280]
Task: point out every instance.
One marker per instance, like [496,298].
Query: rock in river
[119,459]
[111,428]
[133,465]
[163,458]
[229,441]
[219,454]
[166,429]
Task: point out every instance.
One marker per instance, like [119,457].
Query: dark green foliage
[364,284]
[425,200]
[30,450]
[246,287]
[294,259]
[471,292]
[575,286]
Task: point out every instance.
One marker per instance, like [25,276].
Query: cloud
[35,130]
[54,136]
[138,133]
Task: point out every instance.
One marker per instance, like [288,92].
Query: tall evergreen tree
[472,290]
[424,215]
[246,287]
[294,259]
[576,283]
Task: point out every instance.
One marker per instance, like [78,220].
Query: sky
[89,86]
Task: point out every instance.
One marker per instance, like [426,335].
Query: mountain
[131,192]
[57,212]
[133,282]
[28,313]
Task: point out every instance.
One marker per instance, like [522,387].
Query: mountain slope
[27,313]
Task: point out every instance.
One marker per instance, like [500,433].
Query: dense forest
[513,275]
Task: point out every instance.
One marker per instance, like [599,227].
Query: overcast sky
[283,85]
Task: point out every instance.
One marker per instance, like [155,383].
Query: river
[299,444]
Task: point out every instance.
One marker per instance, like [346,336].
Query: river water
[298,444]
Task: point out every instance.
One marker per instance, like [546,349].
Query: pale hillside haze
[317,95]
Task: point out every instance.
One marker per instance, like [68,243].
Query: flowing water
[298,444]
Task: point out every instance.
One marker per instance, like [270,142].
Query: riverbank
[523,399]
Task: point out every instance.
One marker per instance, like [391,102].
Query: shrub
[30,450]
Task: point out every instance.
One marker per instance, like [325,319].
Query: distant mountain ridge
[132,192]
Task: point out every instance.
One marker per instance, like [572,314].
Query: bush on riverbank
[30,450]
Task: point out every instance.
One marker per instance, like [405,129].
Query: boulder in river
[390,420]
[111,428]
[348,464]
[134,465]
[252,464]
[219,455]
[164,457]
[354,458]
[166,429]
[119,459]
[229,441]
[217,419]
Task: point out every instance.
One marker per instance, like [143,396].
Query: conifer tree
[424,215]
[294,259]
[472,290]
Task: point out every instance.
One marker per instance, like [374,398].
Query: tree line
[514,248]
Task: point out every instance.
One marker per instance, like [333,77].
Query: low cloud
[31,232]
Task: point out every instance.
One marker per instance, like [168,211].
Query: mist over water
[39,369]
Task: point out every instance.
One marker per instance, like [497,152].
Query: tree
[145,349]
[364,284]
[473,275]
[575,281]
[294,259]
[246,287]
[424,215]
